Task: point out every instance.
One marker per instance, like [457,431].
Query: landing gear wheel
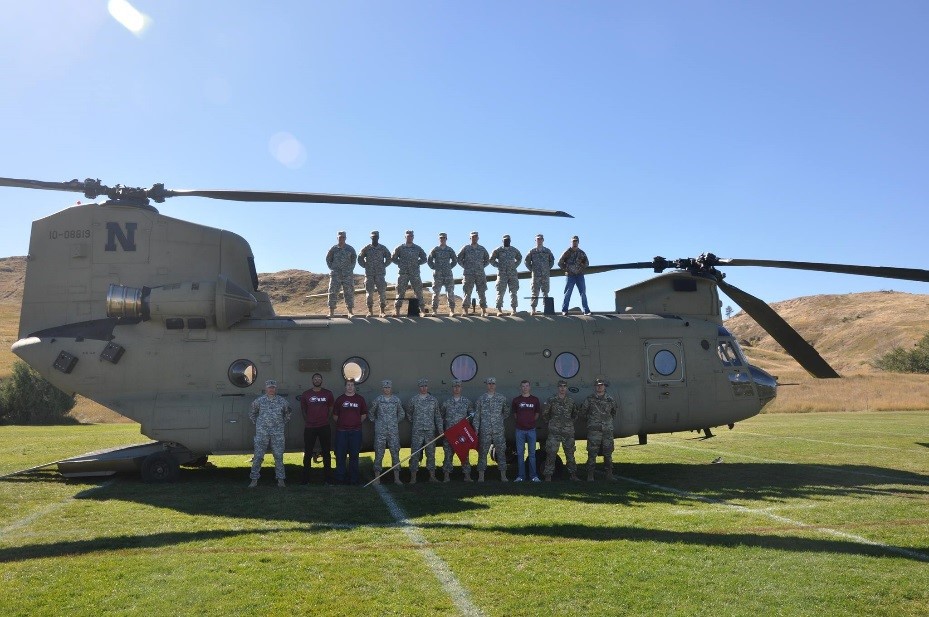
[159,468]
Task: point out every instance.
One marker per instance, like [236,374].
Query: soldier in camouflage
[539,261]
[386,412]
[560,411]
[506,260]
[426,421]
[453,410]
[270,414]
[599,409]
[409,257]
[473,258]
[442,259]
[490,411]
[375,258]
[341,263]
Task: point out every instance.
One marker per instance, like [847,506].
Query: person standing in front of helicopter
[506,260]
[560,411]
[454,409]
[349,411]
[316,405]
[442,259]
[539,261]
[341,263]
[574,262]
[409,257]
[490,410]
[270,414]
[473,258]
[426,421]
[375,258]
[386,411]
[599,408]
[526,409]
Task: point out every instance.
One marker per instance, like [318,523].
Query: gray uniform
[374,260]
[489,413]
[270,415]
[386,413]
[409,257]
[454,411]
[423,413]
[473,259]
[341,263]
[600,411]
[442,259]
[539,261]
[506,259]
[560,414]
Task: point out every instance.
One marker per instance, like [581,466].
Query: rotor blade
[781,331]
[327,198]
[907,274]
[73,186]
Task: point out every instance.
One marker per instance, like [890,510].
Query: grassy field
[804,515]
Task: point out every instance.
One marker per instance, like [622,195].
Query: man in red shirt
[349,411]
[526,410]
[316,404]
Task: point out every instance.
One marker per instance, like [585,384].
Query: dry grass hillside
[850,331]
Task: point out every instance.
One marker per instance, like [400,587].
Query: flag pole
[412,454]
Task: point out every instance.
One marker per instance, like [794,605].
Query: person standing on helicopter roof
[341,262]
[574,262]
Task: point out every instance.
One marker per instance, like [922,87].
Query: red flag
[462,438]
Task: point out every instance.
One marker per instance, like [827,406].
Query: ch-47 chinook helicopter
[162,321]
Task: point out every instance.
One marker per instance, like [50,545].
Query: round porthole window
[356,368]
[665,362]
[567,365]
[242,373]
[464,367]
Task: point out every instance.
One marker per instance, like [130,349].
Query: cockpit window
[728,353]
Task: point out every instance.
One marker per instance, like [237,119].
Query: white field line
[835,443]
[780,519]
[749,457]
[31,518]
[440,569]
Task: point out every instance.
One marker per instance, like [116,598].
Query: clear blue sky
[770,130]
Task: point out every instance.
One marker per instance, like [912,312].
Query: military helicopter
[162,320]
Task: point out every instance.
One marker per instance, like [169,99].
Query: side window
[242,373]
[567,365]
[727,354]
[464,367]
[356,368]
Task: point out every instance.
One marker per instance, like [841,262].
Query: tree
[900,360]
[27,398]
[728,311]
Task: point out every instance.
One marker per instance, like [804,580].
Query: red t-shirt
[350,409]
[315,406]
[524,410]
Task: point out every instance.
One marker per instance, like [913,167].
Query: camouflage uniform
[473,259]
[539,261]
[269,414]
[489,413]
[600,411]
[560,415]
[506,259]
[423,413]
[386,412]
[374,260]
[341,263]
[454,411]
[442,259]
[409,257]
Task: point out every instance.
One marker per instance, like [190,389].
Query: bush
[27,398]
[899,360]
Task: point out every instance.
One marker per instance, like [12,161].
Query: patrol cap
[456,382]
[506,237]
[387,384]
[341,234]
[562,382]
[601,382]
[408,232]
[473,233]
[573,238]
[539,237]
[443,235]
[375,233]
[423,382]
[492,380]
[270,384]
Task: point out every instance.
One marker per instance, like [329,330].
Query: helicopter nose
[765,384]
